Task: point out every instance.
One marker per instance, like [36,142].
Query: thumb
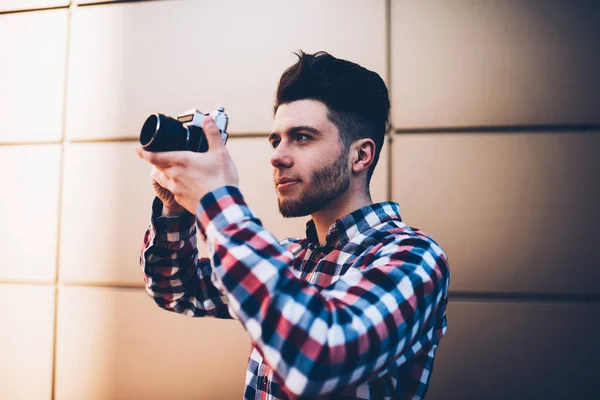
[213,134]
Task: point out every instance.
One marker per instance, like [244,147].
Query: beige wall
[493,151]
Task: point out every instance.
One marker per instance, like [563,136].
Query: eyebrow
[297,129]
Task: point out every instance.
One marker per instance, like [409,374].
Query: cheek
[311,165]
[325,159]
[322,158]
[307,163]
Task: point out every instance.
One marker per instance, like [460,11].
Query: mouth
[287,184]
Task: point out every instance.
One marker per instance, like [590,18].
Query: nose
[282,157]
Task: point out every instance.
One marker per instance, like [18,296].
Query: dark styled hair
[357,99]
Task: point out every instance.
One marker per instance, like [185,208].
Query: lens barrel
[162,133]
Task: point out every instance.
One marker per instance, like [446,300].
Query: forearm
[174,276]
[172,211]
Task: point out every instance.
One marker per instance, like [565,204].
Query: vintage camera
[162,133]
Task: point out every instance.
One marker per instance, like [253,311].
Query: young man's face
[309,161]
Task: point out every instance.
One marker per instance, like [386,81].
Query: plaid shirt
[359,316]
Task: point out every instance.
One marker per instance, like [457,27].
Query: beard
[324,186]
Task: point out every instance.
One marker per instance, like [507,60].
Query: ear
[362,155]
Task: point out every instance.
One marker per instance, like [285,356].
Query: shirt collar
[355,223]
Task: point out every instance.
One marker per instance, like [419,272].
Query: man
[354,310]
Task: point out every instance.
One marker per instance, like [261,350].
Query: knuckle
[183,162]
[220,154]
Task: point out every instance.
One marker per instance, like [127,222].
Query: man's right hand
[170,206]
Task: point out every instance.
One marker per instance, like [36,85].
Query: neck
[351,200]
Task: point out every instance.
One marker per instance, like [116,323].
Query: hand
[170,206]
[189,176]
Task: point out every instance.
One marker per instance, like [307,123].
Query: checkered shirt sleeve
[317,342]
[174,276]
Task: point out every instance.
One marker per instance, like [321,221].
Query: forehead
[302,113]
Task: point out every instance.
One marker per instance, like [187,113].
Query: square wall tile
[130,60]
[26,341]
[32,75]
[105,212]
[118,344]
[515,213]
[28,241]
[464,63]
[518,351]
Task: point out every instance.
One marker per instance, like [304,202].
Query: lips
[284,183]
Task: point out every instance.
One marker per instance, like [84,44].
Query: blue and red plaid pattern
[359,316]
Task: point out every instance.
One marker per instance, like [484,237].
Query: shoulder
[400,243]
[400,234]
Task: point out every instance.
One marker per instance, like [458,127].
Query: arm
[174,276]
[316,342]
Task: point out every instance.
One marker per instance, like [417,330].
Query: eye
[274,143]
[302,137]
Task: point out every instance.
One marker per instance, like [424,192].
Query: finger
[163,159]
[154,174]
[162,179]
[213,134]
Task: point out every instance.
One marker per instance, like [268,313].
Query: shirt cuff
[171,228]
[221,208]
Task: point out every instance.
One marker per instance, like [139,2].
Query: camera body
[163,133]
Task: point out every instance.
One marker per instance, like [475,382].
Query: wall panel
[116,343]
[32,75]
[29,200]
[133,59]
[515,213]
[517,351]
[465,63]
[26,341]
[105,212]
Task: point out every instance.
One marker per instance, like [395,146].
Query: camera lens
[161,133]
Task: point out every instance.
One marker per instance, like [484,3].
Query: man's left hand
[190,175]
